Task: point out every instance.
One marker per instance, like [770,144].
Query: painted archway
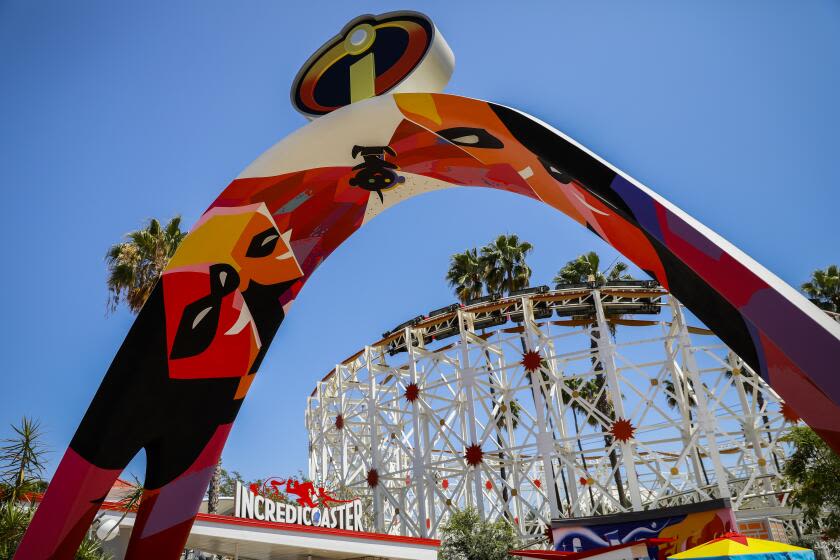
[198,342]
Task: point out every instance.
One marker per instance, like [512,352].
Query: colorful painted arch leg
[198,342]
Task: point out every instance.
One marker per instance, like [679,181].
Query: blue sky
[111,113]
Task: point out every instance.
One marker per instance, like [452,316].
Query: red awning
[546,554]
[566,555]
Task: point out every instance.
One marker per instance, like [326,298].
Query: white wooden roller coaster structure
[546,404]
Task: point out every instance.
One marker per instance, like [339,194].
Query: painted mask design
[233,255]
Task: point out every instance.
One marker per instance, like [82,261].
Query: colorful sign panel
[689,526]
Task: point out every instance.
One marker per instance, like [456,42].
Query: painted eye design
[200,319]
[473,137]
[263,244]
[197,328]
[559,174]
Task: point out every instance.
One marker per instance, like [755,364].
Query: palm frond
[135,265]
[466,275]
[823,289]
[505,264]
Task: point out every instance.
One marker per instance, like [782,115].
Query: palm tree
[215,488]
[586,268]
[512,410]
[466,275]
[500,268]
[568,399]
[135,265]
[594,392]
[671,394]
[823,288]
[756,392]
[505,270]
[505,266]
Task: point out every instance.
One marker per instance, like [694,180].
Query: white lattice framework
[396,421]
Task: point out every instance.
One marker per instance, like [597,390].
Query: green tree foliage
[21,467]
[135,265]
[227,482]
[824,288]
[465,536]
[13,523]
[466,275]
[812,471]
[22,461]
[504,264]
[587,268]
[91,549]
[498,267]
[15,519]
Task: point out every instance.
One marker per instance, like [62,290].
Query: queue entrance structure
[246,539]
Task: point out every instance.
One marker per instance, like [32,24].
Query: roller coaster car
[483,299]
[443,310]
[528,291]
[631,283]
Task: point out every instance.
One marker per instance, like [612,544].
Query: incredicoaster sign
[253,506]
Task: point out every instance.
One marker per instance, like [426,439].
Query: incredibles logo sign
[312,509]
[371,56]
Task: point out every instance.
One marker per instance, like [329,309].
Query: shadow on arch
[199,340]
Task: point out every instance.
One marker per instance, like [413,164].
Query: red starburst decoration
[789,414]
[412,392]
[339,422]
[488,485]
[445,483]
[537,482]
[531,360]
[474,455]
[373,478]
[583,481]
[622,430]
